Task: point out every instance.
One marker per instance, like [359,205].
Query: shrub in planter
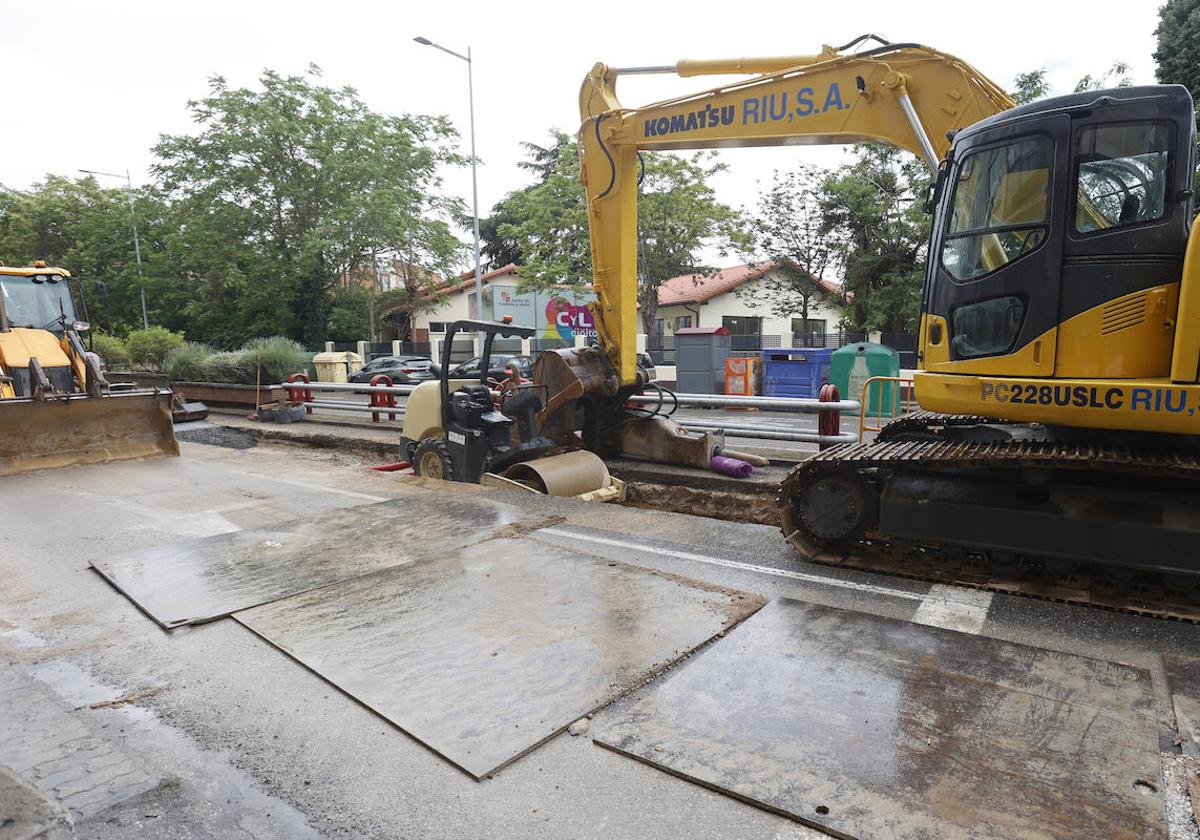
[111,349]
[184,363]
[149,348]
[274,359]
[226,366]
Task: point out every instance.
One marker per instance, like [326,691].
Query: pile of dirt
[756,506]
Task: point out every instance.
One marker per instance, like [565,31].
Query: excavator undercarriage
[1107,520]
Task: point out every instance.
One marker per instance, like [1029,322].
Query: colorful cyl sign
[560,316]
[565,320]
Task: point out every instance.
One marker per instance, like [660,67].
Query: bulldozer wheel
[432,460]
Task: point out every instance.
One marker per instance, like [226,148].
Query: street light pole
[474,163]
[137,244]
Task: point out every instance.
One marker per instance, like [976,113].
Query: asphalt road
[208,731]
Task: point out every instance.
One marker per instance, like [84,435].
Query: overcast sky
[92,85]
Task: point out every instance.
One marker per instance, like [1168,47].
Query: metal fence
[387,406]
[662,347]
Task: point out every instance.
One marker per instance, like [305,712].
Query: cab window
[999,209]
[1121,175]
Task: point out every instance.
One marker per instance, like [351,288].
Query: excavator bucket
[42,435]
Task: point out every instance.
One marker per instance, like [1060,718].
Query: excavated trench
[756,505]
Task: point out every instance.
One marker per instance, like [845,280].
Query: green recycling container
[854,364]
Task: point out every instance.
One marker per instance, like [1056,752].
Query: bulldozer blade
[43,435]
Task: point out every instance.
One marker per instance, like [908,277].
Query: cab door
[1126,233]
[991,305]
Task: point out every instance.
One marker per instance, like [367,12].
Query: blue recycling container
[795,371]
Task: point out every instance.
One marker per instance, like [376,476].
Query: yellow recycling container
[337,366]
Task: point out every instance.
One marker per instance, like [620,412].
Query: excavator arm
[908,95]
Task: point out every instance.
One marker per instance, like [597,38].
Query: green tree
[789,231]
[85,228]
[872,212]
[350,316]
[287,188]
[543,161]
[548,225]
[678,217]
[1117,75]
[1178,52]
[1029,86]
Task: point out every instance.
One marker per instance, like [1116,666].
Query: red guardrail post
[829,421]
[380,400]
[306,394]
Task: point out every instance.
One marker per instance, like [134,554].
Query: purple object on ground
[730,466]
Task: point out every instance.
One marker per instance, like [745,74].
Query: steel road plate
[870,727]
[485,653]
[205,579]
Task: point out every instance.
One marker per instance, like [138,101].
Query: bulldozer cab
[45,299]
[1058,224]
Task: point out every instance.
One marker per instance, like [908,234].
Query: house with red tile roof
[726,299]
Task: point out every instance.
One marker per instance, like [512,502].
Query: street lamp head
[421,40]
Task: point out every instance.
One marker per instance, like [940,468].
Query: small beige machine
[489,431]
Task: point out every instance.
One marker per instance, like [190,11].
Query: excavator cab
[1058,242]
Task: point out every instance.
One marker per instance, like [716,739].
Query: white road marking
[954,608]
[321,488]
[734,564]
[950,607]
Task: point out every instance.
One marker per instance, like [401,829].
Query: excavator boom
[908,95]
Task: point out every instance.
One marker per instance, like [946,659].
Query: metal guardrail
[354,387]
[766,433]
[383,396]
[830,410]
[778,403]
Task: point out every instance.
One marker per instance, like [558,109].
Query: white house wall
[730,304]
[454,307]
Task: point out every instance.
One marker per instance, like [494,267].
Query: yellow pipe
[760,64]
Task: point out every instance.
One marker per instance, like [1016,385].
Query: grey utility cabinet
[700,354]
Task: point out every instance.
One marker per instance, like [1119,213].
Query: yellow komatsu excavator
[1059,351]
[56,407]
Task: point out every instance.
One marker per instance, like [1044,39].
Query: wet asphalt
[239,740]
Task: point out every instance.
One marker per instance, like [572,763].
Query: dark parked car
[499,369]
[647,362]
[403,370]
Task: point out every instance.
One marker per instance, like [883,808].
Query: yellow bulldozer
[56,405]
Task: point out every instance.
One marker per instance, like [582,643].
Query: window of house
[1000,207]
[742,324]
[809,326]
[682,322]
[437,326]
[1121,175]
[658,326]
